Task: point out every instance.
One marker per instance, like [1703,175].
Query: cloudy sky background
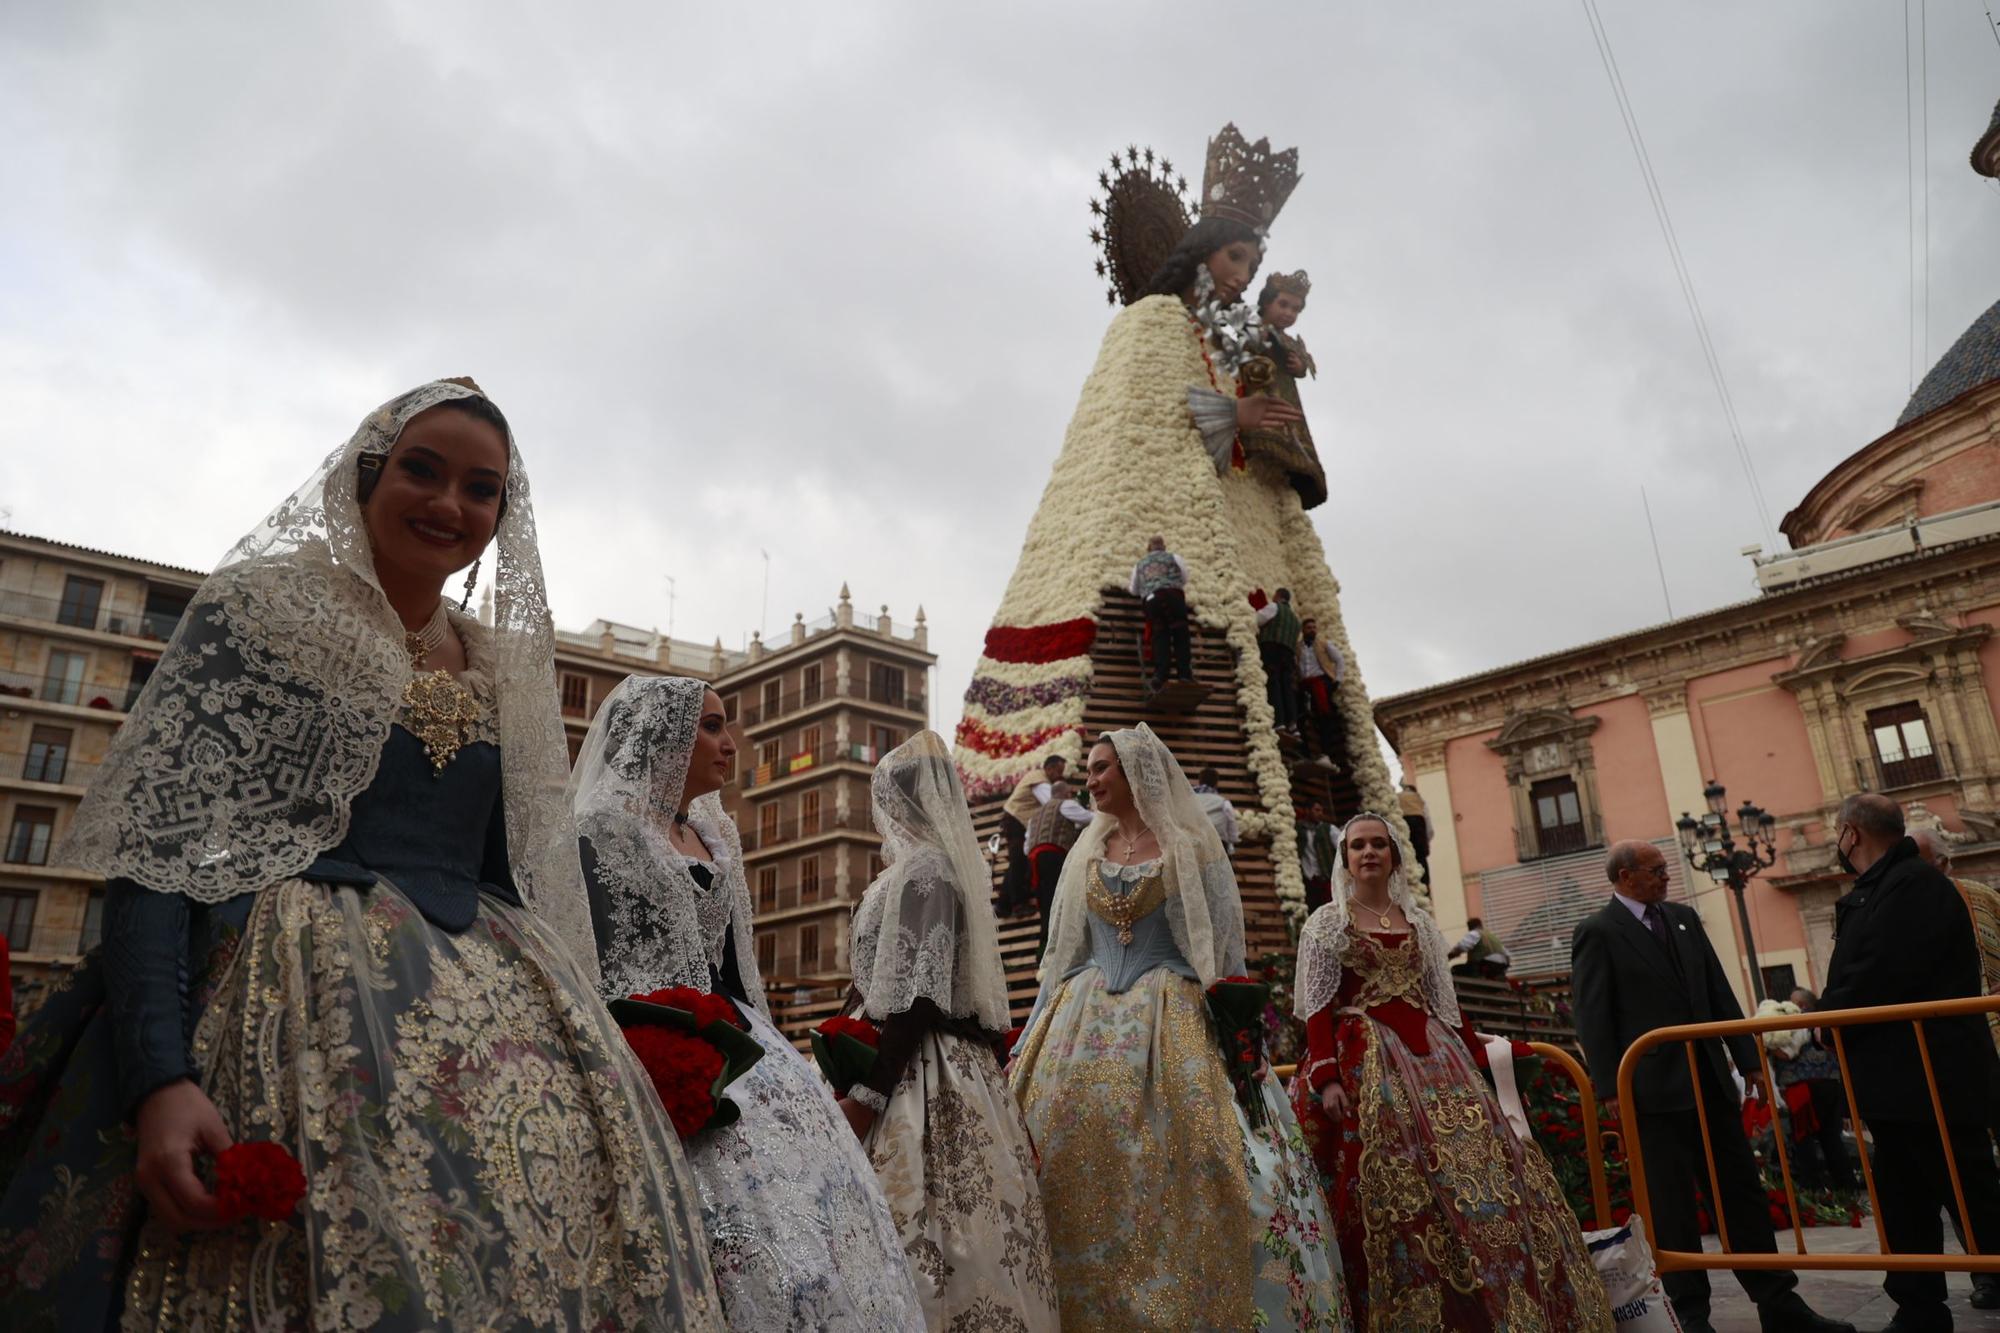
[815,280]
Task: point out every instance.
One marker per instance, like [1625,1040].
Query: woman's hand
[859,1118]
[176,1122]
[1333,1098]
[1258,411]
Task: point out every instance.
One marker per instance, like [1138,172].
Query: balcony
[770,837]
[807,761]
[156,625]
[1917,766]
[762,713]
[113,699]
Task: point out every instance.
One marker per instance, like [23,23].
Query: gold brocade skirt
[481,1150]
[1166,1210]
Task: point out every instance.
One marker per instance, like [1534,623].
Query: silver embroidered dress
[800,1234]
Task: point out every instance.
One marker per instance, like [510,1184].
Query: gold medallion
[440,713]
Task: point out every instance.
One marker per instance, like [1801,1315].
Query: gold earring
[471,582]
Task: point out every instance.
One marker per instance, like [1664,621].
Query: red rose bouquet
[692,1045]
[1237,1006]
[260,1180]
[845,1049]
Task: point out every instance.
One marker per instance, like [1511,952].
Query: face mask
[1840,854]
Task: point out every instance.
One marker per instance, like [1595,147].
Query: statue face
[1283,311]
[1232,267]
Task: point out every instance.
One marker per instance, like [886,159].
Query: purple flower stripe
[999,698]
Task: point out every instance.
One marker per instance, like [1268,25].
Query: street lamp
[1710,850]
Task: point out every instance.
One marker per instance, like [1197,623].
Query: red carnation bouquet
[692,1045]
[845,1049]
[1237,1005]
[259,1180]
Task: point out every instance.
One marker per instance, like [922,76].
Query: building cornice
[1660,659]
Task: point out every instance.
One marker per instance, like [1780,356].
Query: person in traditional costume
[344,915]
[800,1234]
[945,1135]
[1446,1220]
[1168,1208]
[1162,444]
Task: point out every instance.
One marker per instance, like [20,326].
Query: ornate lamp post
[1710,850]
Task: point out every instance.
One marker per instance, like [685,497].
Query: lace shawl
[1203,908]
[269,708]
[925,927]
[1323,943]
[663,928]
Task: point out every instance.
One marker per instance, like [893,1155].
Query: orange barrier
[1600,1192]
[1834,1020]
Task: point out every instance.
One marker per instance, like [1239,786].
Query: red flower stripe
[840,1025]
[683,1068]
[1041,643]
[976,735]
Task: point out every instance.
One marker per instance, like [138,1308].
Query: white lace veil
[925,927]
[269,708]
[1323,942]
[1203,907]
[660,929]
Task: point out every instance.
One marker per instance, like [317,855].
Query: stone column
[1680,774]
[1425,768]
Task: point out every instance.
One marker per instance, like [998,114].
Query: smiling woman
[333,832]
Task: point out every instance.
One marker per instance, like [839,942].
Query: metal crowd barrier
[1973,1260]
[1600,1192]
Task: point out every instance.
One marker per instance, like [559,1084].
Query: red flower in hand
[683,1069]
[258,1180]
[840,1025]
[705,1007]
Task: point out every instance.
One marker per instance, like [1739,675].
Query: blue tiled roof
[1972,361]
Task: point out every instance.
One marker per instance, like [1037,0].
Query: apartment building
[80,632]
[813,714]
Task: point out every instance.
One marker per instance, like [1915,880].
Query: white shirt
[1470,941]
[1634,906]
[1221,814]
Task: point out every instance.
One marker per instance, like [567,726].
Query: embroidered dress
[392,1005]
[948,1142]
[800,1236]
[1166,1210]
[1446,1220]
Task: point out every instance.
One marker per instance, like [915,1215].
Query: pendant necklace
[439,710]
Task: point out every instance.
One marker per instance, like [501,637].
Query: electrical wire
[1924,86]
[1664,218]
[1910,185]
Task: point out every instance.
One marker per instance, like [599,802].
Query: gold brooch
[1124,909]
[441,713]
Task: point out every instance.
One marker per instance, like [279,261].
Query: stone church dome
[1972,361]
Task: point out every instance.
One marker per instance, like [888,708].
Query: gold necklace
[1123,910]
[1130,842]
[1384,919]
[438,709]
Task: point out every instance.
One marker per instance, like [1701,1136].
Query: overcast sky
[815,280]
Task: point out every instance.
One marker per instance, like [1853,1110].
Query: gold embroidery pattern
[475,1150]
[441,713]
[1448,1200]
[1157,1218]
[1125,910]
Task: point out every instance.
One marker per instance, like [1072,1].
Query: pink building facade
[1870,661]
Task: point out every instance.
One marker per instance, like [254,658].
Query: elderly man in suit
[1640,963]
[1902,935]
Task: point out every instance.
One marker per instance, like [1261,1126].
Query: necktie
[1656,921]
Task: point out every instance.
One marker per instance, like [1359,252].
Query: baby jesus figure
[1282,359]
[1279,306]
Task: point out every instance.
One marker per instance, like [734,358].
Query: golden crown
[1292,284]
[1247,182]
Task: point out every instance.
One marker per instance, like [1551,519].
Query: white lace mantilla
[1204,910]
[663,928]
[925,927]
[1324,941]
[268,711]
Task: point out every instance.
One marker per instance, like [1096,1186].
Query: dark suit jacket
[1903,936]
[1622,984]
